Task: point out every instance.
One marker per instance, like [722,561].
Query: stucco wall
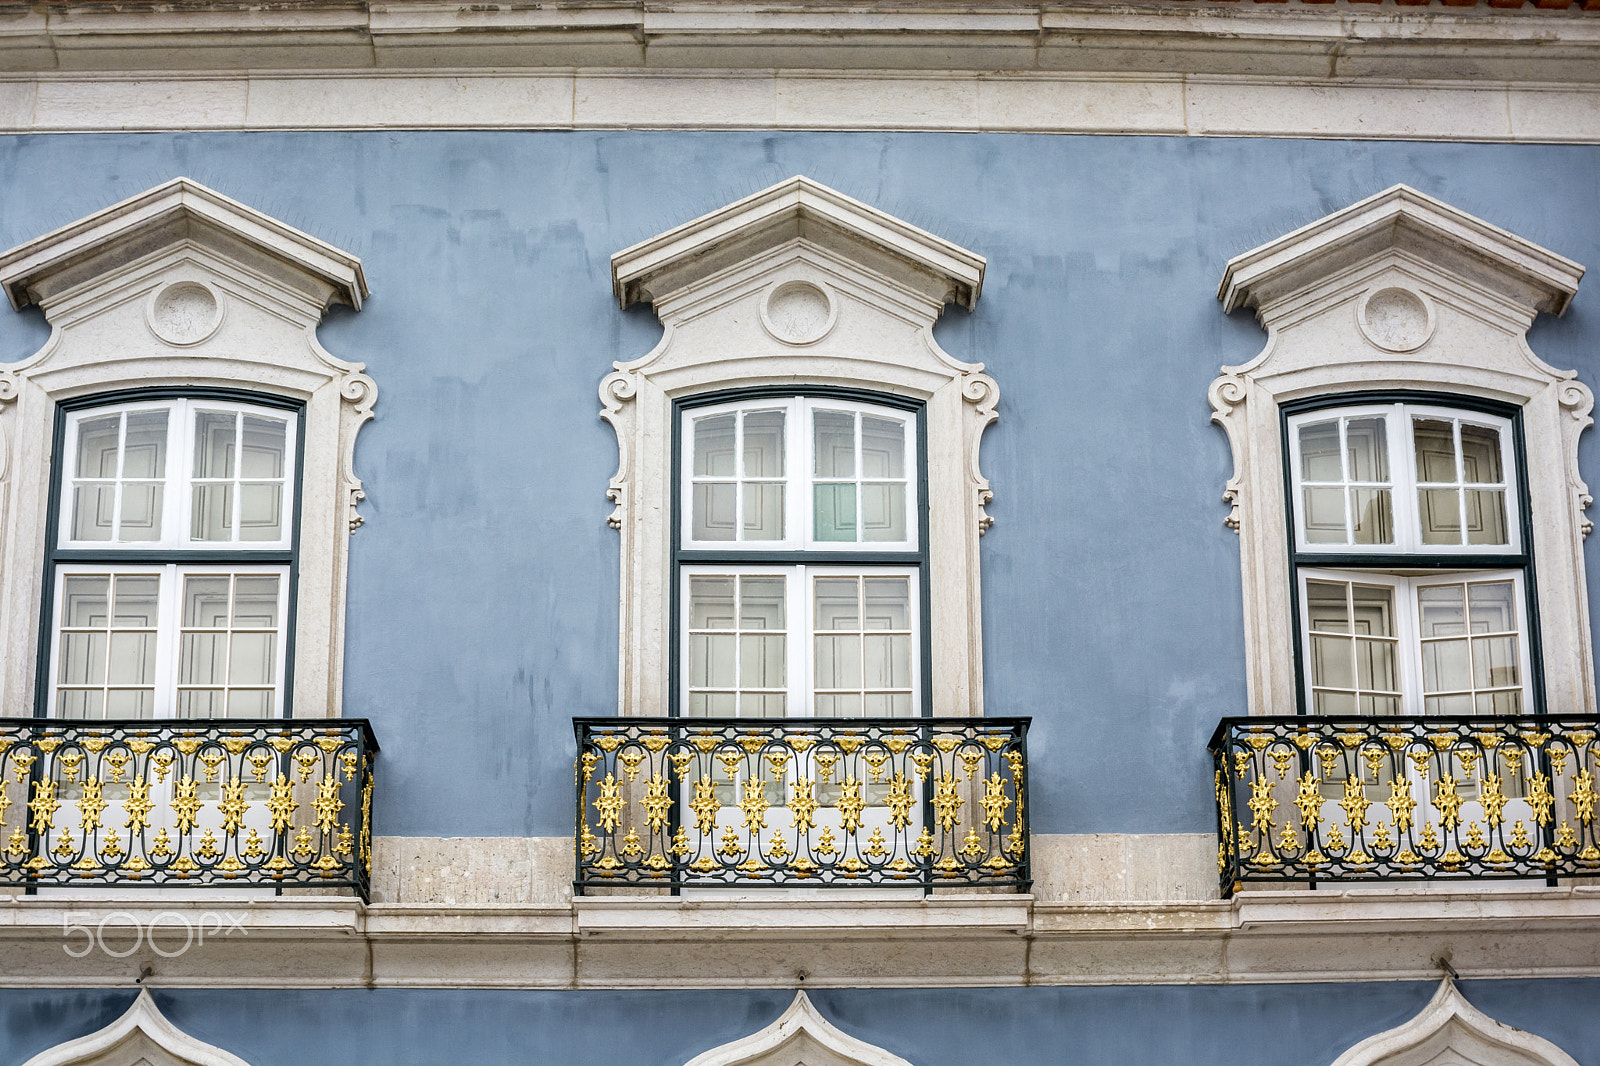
[1263,1025]
[483,585]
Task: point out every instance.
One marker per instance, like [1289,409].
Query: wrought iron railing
[805,801]
[1399,799]
[232,802]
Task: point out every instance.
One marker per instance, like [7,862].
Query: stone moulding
[120,290]
[141,1037]
[1451,1030]
[801,1036]
[885,283]
[1472,290]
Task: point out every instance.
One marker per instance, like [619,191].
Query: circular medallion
[185,312]
[798,312]
[1396,320]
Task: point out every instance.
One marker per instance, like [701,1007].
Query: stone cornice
[1314,40]
[770,942]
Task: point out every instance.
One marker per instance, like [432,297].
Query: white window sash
[177,481]
[168,626]
[799,622]
[1408,626]
[1403,483]
[799,463]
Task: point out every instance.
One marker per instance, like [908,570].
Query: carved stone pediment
[1452,1032]
[800,1037]
[141,1037]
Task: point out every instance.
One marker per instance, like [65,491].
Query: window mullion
[801,702]
[116,492]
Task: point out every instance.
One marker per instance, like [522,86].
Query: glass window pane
[132,659]
[714,446]
[1495,663]
[145,453]
[97,446]
[1330,662]
[212,512]
[715,516]
[83,659]
[1369,449]
[1379,705]
[1494,606]
[252,659]
[837,606]
[92,510]
[141,512]
[130,703]
[260,511]
[1326,606]
[1445,667]
[1374,610]
[1480,455]
[711,603]
[763,444]
[883,512]
[1486,516]
[1436,450]
[1442,611]
[761,661]
[215,435]
[888,660]
[250,703]
[847,705]
[202,703]
[255,601]
[835,512]
[1441,516]
[883,447]
[81,703]
[763,511]
[1331,703]
[1374,520]
[205,602]
[84,599]
[1501,703]
[835,443]
[137,596]
[1324,516]
[838,661]
[266,447]
[1375,665]
[202,659]
[761,603]
[1447,705]
[763,705]
[1319,452]
[888,603]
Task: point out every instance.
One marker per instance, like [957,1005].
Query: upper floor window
[799,580]
[170,573]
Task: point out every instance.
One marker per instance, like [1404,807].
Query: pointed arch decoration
[141,1037]
[1452,1032]
[800,1037]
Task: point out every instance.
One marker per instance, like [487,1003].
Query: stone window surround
[104,284]
[1459,295]
[719,284]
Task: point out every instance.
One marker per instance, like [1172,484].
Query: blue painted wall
[483,586]
[1260,1025]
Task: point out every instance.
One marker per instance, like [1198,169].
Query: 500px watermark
[168,933]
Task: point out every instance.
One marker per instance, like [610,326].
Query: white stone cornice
[174,212]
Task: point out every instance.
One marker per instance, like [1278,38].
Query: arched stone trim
[714,283]
[800,1037]
[141,1037]
[1451,1032]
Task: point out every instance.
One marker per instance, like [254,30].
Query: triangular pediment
[175,213]
[1402,221]
[142,1036]
[791,212]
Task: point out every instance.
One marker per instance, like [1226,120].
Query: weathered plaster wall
[483,586]
[1265,1025]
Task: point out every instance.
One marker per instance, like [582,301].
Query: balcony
[1406,799]
[683,802]
[186,803]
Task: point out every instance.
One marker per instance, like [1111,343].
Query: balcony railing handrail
[1304,798]
[678,802]
[172,802]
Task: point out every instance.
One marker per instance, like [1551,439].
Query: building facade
[809,533]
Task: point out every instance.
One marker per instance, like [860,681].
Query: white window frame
[169,627]
[1408,638]
[1403,483]
[799,475]
[178,479]
[800,694]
